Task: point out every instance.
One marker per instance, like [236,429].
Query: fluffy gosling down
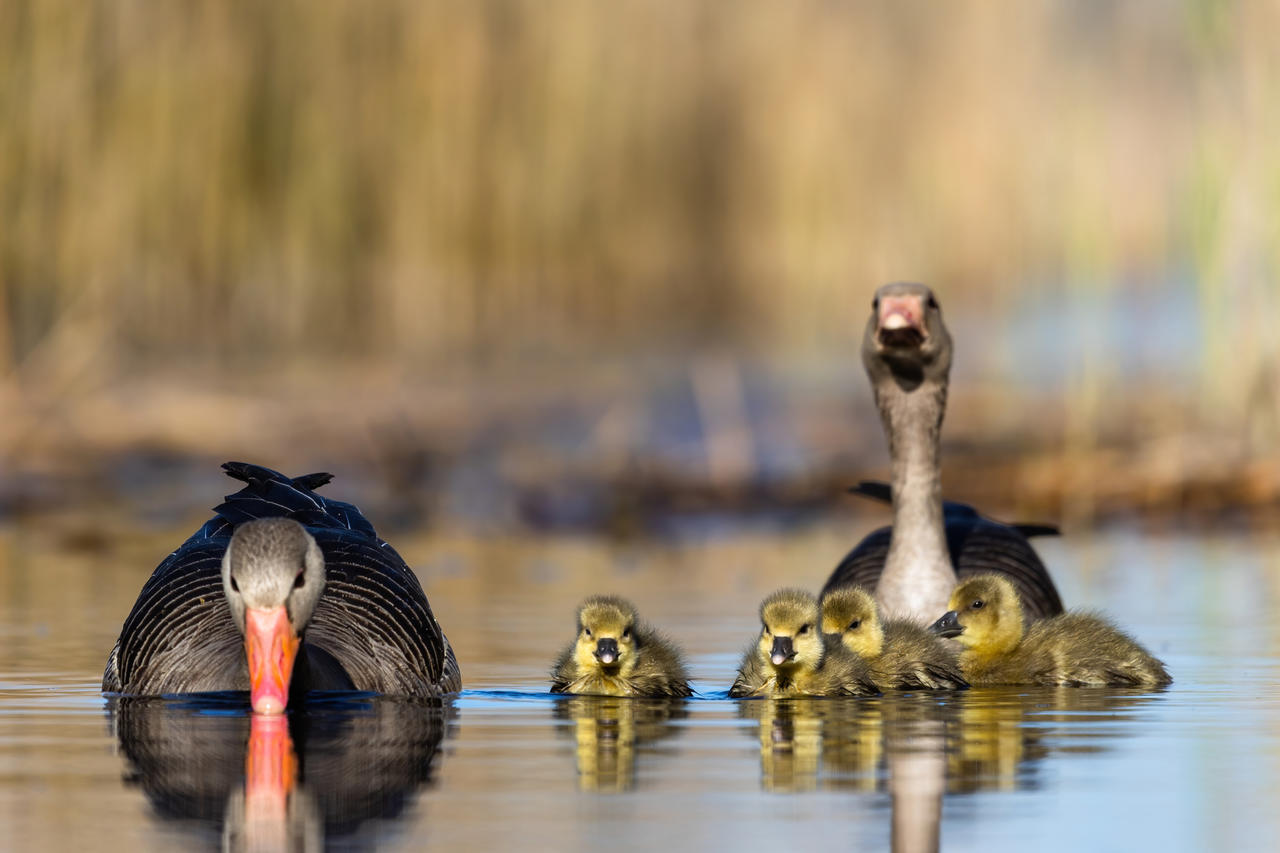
[790,658]
[1070,650]
[901,654]
[615,654]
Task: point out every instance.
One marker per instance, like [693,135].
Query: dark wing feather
[373,617]
[269,494]
[977,545]
[1030,530]
[313,481]
[862,566]
[180,637]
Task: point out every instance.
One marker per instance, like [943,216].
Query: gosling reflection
[297,782]
[1001,736]
[917,745]
[790,742]
[611,730]
[805,740]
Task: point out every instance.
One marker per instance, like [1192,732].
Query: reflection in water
[915,742]
[920,745]
[799,735]
[278,783]
[609,729]
[269,812]
[1001,734]
[987,738]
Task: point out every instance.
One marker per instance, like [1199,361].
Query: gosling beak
[901,321]
[271,646]
[948,625]
[607,650]
[782,651]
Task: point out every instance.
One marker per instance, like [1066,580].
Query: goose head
[790,638]
[606,636]
[849,617]
[272,575]
[905,338]
[985,616]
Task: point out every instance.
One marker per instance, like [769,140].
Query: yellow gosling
[901,654]
[1069,650]
[790,659]
[616,654]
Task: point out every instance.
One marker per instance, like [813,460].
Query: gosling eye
[804,629]
[855,624]
[765,629]
[978,604]
[586,631]
[626,634]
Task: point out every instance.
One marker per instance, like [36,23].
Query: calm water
[506,765]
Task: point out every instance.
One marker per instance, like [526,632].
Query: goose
[913,566]
[790,658]
[1067,650]
[902,655]
[281,592]
[616,654]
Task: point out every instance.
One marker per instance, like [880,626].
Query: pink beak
[271,646]
[901,312]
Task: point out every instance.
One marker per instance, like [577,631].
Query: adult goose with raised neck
[913,565]
[281,592]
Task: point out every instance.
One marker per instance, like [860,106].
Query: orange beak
[271,646]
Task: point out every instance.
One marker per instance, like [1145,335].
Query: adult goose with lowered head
[913,566]
[281,592]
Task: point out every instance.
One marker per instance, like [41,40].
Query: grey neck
[918,578]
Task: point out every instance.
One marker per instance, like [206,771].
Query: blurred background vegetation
[558,255]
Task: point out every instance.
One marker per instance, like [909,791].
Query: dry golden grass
[228,185]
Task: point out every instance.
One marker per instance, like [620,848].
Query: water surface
[504,764]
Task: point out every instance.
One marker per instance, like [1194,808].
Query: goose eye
[299,580]
[875,304]
[235,587]
[855,624]
[978,604]
[933,303]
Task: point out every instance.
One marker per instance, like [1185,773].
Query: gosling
[615,654]
[1069,650]
[790,659]
[901,654]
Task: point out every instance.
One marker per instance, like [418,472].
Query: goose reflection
[609,732]
[248,782]
[269,811]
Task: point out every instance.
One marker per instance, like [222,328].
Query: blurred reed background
[427,211]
